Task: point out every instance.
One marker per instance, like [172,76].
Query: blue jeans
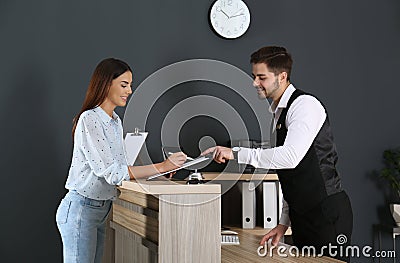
[82,222]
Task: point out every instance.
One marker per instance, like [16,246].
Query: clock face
[230,18]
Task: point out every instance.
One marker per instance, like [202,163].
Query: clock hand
[224,13]
[237,15]
[240,10]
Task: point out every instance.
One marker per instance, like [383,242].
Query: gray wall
[345,52]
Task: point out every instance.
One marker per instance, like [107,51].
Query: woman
[98,164]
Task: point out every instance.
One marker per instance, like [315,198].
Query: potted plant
[391,173]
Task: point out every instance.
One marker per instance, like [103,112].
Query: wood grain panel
[143,225]
[137,208]
[190,228]
[141,199]
[165,186]
[132,248]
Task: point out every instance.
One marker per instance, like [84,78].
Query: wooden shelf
[247,250]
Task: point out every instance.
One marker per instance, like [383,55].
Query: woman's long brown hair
[100,83]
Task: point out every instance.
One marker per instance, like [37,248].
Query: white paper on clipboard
[185,165]
[133,144]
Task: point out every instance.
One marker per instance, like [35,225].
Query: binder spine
[270,202]
[249,205]
[280,202]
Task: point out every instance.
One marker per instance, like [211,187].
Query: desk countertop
[239,176]
[170,187]
[165,186]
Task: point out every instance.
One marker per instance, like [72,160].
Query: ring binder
[248,205]
[270,202]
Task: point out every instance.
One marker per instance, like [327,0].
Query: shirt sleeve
[285,220]
[99,154]
[304,119]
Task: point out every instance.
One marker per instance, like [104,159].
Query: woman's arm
[174,161]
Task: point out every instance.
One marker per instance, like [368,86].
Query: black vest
[315,177]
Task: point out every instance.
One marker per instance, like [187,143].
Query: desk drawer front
[140,220]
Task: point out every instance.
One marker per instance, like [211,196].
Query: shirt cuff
[244,155]
[127,176]
[284,220]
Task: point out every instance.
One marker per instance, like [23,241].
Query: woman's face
[120,90]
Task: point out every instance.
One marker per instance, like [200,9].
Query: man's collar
[284,99]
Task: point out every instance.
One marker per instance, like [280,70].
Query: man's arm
[304,120]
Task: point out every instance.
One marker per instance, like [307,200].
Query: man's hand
[276,234]
[220,154]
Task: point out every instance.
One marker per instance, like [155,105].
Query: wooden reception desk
[169,221]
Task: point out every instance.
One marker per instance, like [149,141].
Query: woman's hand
[174,161]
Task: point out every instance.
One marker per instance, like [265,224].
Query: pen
[189,158]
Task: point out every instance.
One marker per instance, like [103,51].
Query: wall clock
[229,18]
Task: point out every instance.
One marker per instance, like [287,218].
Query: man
[315,205]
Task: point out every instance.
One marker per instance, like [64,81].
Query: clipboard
[133,143]
[185,165]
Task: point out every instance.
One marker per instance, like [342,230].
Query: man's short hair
[277,59]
